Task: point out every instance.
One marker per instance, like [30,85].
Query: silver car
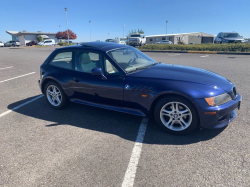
[12,43]
[228,37]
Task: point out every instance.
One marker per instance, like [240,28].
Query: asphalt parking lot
[87,146]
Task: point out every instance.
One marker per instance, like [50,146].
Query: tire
[174,121]
[13,45]
[49,87]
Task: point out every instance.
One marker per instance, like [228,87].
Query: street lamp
[90,28]
[166,29]
[59,27]
[123,30]
[67,24]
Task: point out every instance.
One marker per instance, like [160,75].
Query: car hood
[185,73]
[236,38]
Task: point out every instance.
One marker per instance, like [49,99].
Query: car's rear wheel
[176,115]
[55,95]
[13,45]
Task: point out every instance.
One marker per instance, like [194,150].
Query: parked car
[12,43]
[31,43]
[111,40]
[164,42]
[122,78]
[1,44]
[137,40]
[49,42]
[122,42]
[228,37]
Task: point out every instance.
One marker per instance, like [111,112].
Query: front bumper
[224,113]
[40,84]
[133,43]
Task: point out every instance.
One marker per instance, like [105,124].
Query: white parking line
[173,54]
[129,177]
[6,67]
[17,77]
[17,107]
[205,56]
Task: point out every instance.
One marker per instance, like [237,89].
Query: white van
[47,42]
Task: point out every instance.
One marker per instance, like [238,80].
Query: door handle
[77,79]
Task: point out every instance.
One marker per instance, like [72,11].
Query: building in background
[25,37]
[185,38]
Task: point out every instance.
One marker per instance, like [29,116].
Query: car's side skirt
[118,109]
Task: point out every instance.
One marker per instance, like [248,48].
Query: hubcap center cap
[175,116]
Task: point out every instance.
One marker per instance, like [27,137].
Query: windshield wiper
[144,67]
[148,66]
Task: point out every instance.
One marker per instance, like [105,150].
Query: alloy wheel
[176,116]
[54,95]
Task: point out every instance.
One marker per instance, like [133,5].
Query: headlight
[218,100]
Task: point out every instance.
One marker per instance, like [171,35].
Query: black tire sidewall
[167,99]
[64,97]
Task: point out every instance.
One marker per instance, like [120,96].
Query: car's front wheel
[176,115]
[55,95]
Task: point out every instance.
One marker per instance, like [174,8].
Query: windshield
[131,59]
[231,35]
[109,40]
[135,35]
[133,39]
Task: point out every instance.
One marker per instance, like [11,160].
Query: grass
[200,47]
[65,44]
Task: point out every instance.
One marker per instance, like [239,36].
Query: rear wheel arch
[46,81]
[176,94]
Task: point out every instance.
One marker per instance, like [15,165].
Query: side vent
[139,88]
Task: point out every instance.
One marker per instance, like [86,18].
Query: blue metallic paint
[192,83]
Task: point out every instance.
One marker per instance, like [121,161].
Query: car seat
[84,62]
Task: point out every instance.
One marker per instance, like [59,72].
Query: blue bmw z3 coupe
[121,78]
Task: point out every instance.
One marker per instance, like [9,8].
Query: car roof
[229,32]
[101,46]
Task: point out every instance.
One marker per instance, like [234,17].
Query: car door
[94,88]
[47,43]
[61,69]
[219,38]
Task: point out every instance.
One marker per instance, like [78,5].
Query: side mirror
[241,36]
[98,71]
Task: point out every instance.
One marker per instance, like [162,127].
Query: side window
[86,61]
[109,68]
[63,60]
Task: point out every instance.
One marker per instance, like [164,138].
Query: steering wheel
[131,61]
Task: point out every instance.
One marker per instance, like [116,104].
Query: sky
[109,16]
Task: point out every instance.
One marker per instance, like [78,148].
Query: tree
[135,32]
[117,39]
[140,31]
[39,39]
[64,35]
